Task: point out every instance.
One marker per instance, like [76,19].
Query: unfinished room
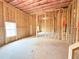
[39,29]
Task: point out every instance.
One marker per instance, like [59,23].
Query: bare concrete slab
[35,48]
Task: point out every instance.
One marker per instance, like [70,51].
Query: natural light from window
[10,28]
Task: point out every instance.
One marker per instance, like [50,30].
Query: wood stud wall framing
[1,24]
[9,13]
[64,22]
[54,22]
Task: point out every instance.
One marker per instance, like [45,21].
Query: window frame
[6,29]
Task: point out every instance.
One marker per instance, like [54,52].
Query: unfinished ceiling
[35,6]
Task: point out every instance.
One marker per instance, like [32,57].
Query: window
[10,28]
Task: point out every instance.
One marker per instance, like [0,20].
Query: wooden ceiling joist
[50,8]
[9,1]
[47,6]
[33,5]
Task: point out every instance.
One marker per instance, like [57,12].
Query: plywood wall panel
[1,25]
[32,24]
[22,20]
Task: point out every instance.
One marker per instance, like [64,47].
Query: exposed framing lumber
[71,49]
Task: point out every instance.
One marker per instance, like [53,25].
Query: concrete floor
[35,48]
